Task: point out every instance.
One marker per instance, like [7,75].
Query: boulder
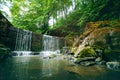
[102,37]
[84,60]
[113,65]
[98,59]
[87,52]
[87,63]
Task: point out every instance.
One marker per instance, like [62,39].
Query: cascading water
[51,45]
[23,42]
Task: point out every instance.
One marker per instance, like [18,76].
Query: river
[59,68]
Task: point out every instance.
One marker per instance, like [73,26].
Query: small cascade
[50,45]
[23,42]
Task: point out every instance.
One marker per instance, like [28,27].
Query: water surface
[37,68]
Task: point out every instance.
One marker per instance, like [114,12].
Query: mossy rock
[73,50]
[87,52]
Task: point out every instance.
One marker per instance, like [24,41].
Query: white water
[22,53]
[23,42]
[50,45]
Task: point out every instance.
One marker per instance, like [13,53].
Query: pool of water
[37,68]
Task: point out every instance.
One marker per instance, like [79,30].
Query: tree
[35,14]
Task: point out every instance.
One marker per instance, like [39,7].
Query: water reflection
[36,68]
[49,67]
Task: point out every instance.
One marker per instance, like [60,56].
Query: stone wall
[36,42]
[8,35]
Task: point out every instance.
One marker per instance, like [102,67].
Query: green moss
[73,50]
[87,52]
[53,55]
[107,51]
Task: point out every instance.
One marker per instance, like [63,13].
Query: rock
[113,65]
[98,59]
[52,56]
[79,60]
[87,52]
[99,52]
[105,39]
[66,50]
[87,63]
[73,59]
[87,59]
[102,62]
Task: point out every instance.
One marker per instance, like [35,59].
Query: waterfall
[50,45]
[23,42]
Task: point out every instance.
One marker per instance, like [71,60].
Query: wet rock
[98,59]
[113,65]
[52,56]
[87,63]
[66,50]
[73,59]
[102,62]
[79,60]
[35,53]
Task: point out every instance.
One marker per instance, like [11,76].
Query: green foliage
[114,23]
[34,15]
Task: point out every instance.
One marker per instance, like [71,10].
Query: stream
[58,68]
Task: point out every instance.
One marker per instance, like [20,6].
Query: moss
[73,50]
[107,51]
[53,56]
[103,37]
[87,52]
